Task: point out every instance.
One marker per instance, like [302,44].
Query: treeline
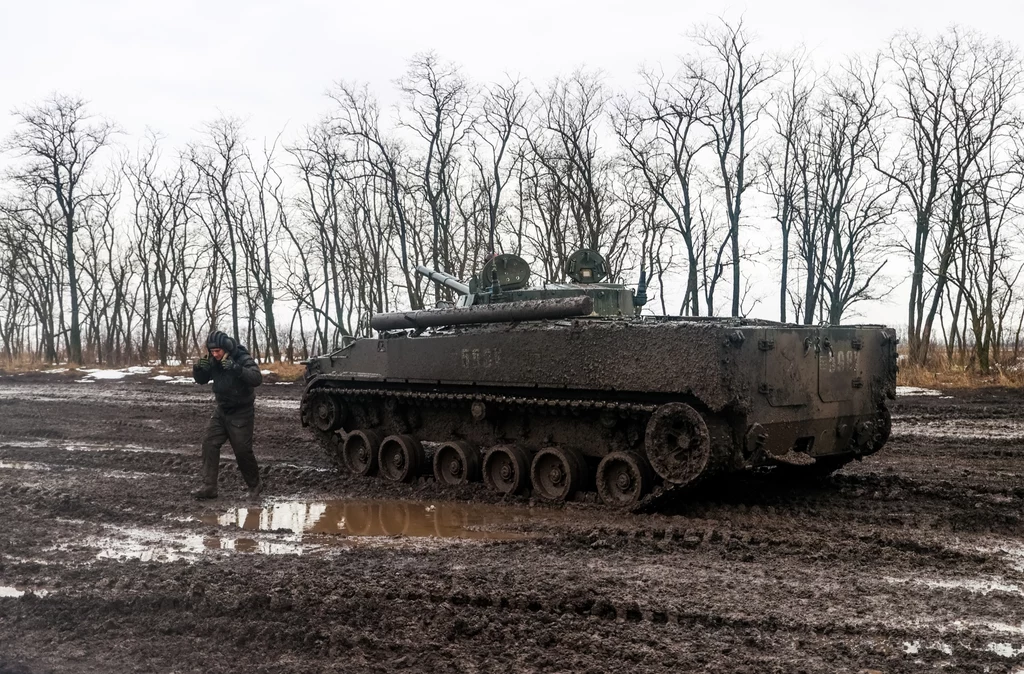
[739,177]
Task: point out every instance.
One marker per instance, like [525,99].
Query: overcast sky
[171,66]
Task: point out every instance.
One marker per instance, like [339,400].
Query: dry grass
[943,375]
[286,371]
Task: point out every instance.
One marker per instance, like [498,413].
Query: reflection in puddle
[154,545]
[252,545]
[378,518]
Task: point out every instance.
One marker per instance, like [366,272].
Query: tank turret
[504,279]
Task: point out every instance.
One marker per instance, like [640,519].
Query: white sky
[172,66]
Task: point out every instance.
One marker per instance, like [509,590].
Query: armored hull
[617,404]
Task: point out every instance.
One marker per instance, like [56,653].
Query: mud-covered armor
[565,387]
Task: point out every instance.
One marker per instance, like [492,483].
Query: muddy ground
[911,560]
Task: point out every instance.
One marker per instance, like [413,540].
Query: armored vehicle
[565,387]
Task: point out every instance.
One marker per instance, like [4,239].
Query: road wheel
[678,443]
[400,458]
[360,450]
[456,463]
[557,473]
[623,479]
[506,469]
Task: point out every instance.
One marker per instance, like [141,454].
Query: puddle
[23,465]
[75,446]
[381,518]
[914,647]
[301,528]
[277,404]
[962,429]
[155,545]
[252,545]
[9,592]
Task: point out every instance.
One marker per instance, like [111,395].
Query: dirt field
[912,560]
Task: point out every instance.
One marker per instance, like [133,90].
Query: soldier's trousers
[235,428]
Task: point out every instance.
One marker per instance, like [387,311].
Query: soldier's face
[217,354]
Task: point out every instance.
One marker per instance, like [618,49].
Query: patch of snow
[105,374]
[916,391]
[162,377]
[184,380]
[266,371]
[56,370]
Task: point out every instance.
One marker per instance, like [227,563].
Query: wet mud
[912,560]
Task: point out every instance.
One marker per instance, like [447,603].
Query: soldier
[235,374]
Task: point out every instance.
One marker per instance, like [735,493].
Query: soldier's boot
[256,490]
[206,493]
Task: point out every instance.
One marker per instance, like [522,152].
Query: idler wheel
[506,469]
[678,443]
[623,479]
[557,473]
[325,412]
[360,452]
[456,463]
[400,458]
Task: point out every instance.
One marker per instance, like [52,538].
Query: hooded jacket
[233,389]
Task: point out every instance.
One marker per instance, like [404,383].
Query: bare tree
[955,96]
[663,137]
[734,75]
[502,114]
[59,141]
[440,112]
[781,159]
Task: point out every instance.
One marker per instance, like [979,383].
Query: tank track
[628,415]
[331,441]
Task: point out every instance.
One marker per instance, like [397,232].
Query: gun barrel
[529,310]
[444,279]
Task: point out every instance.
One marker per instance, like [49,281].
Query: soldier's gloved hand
[229,364]
[204,363]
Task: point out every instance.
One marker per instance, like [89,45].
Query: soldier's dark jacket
[234,390]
